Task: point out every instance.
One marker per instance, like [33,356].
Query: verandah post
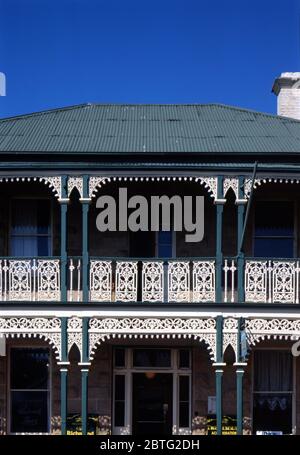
[85,200]
[64,200]
[64,375]
[219,202]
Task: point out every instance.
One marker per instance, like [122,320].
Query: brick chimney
[287,89]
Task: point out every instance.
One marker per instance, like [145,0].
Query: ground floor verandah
[149,386]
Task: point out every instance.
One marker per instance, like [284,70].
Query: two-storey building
[145,332]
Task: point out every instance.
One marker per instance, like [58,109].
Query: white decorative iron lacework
[29,279]
[277,328]
[284,282]
[230,334]
[126,281]
[203,329]
[153,282]
[211,183]
[75,182]
[100,281]
[48,280]
[41,327]
[272,281]
[96,182]
[179,282]
[75,333]
[204,281]
[54,183]
[233,183]
[256,281]
[19,279]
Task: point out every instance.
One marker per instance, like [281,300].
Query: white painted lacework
[19,276]
[29,279]
[256,281]
[126,281]
[45,328]
[54,183]
[272,281]
[75,333]
[230,334]
[233,183]
[179,282]
[211,183]
[202,329]
[284,282]
[75,182]
[48,280]
[96,182]
[259,329]
[204,281]
[153,282]
[100,281]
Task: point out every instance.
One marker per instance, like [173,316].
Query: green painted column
[219,373]
[64,375]
[85,240]
[219,400]
[84,374]
[63,238]
[239,400]
[219,202]
[64,399]
[84,399]
[240,202]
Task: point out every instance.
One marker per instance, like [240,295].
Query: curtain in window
[30,228]
[273,371]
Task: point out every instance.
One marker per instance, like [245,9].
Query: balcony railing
[152,280]
[149,280]
[30,279]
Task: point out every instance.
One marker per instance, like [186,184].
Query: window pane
[184,358]
[273,371]
[274,218]
[119,413]
[164,239]
[43,246]
[184,415]
[184,388]
[29,368]
[152,358]
[120,357]
[29,412]
[119,387]
[23,216]
[275,248]
[43,216]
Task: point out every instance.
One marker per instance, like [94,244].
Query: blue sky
[63,52]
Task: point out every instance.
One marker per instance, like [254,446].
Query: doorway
[152,403]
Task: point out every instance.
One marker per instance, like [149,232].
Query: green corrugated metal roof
[114,128]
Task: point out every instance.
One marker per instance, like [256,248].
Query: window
[147,358]
[184,401]
[30,227]
[273,391]
[165,244]
[29,390]
[119,400]
[274,229]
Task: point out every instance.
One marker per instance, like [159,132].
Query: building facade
[123,332]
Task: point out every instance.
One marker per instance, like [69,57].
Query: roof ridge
[84,105]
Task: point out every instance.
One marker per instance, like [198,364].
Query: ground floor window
[152,391]
[29,390]
[273,391]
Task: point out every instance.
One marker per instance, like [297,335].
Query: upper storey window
[274,229]
[30,232]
